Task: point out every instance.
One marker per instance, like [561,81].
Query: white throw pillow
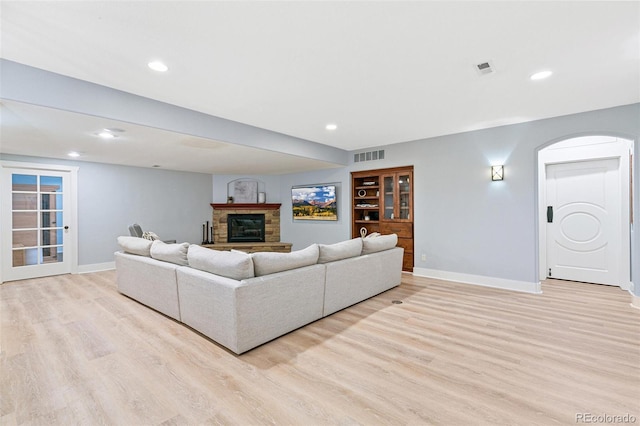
[173,253]
[135,245]
[266,263]
[234,265]
[339,251]
[380,243]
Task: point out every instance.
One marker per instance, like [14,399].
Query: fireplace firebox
[245,228]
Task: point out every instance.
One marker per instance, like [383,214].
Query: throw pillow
[234,265]
[266,263]
[173,253]
[380,243]
[341,250]
[135,245]
[148,235]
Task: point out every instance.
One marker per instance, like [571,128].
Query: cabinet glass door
[389,197]
[404,189]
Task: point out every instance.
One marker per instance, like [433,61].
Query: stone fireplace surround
[271,213]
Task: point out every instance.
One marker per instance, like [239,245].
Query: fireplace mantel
[246,206]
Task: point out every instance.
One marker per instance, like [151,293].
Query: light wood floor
[75,351]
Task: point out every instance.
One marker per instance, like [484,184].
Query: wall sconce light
[497,172]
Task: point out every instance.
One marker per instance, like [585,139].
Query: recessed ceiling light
[158,66]
[331,126]
[73,154]
[106,134]
[541,75]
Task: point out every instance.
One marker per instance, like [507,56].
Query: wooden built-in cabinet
[382,201]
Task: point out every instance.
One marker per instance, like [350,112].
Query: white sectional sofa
[243,300]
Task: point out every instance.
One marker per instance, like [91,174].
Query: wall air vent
[368,156]
[484,68]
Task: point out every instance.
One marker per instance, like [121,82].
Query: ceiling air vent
[368,156]
[484,68]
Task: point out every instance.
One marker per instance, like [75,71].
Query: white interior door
[584,221]
[36,220]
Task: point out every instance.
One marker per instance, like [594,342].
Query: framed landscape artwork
[314,202]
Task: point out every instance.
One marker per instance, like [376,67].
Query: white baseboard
[96,267]
[523,286]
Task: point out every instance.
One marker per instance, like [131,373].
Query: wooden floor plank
[75,351]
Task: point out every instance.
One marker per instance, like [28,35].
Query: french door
[38,235]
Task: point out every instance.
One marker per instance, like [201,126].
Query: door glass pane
[25,201]
[51,219]
[388,197]
[50,237]
[51,201]
[24,183]
[405,196]
[23,220]
[23,257]
[50,183]
[25,238]
[52,254]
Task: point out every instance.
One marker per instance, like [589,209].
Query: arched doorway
[584,210]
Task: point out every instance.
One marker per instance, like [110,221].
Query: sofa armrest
[353,280]
[149,281]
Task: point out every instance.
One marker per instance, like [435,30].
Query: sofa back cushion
[266,263]
[339,251]
[379,243]
[135,245]
[234,265]
[173,253]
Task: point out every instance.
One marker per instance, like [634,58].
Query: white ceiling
[385,72]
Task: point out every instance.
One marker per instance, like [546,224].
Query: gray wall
[464,222]
[172,204]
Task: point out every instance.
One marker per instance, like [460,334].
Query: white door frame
[72,251]
[582,149]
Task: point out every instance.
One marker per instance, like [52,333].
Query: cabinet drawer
[406,244]
[404,230]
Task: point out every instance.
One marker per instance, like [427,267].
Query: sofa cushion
[266,263]
[339,251]
[135,245]
[234,265]
[379,243]
[173,253]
